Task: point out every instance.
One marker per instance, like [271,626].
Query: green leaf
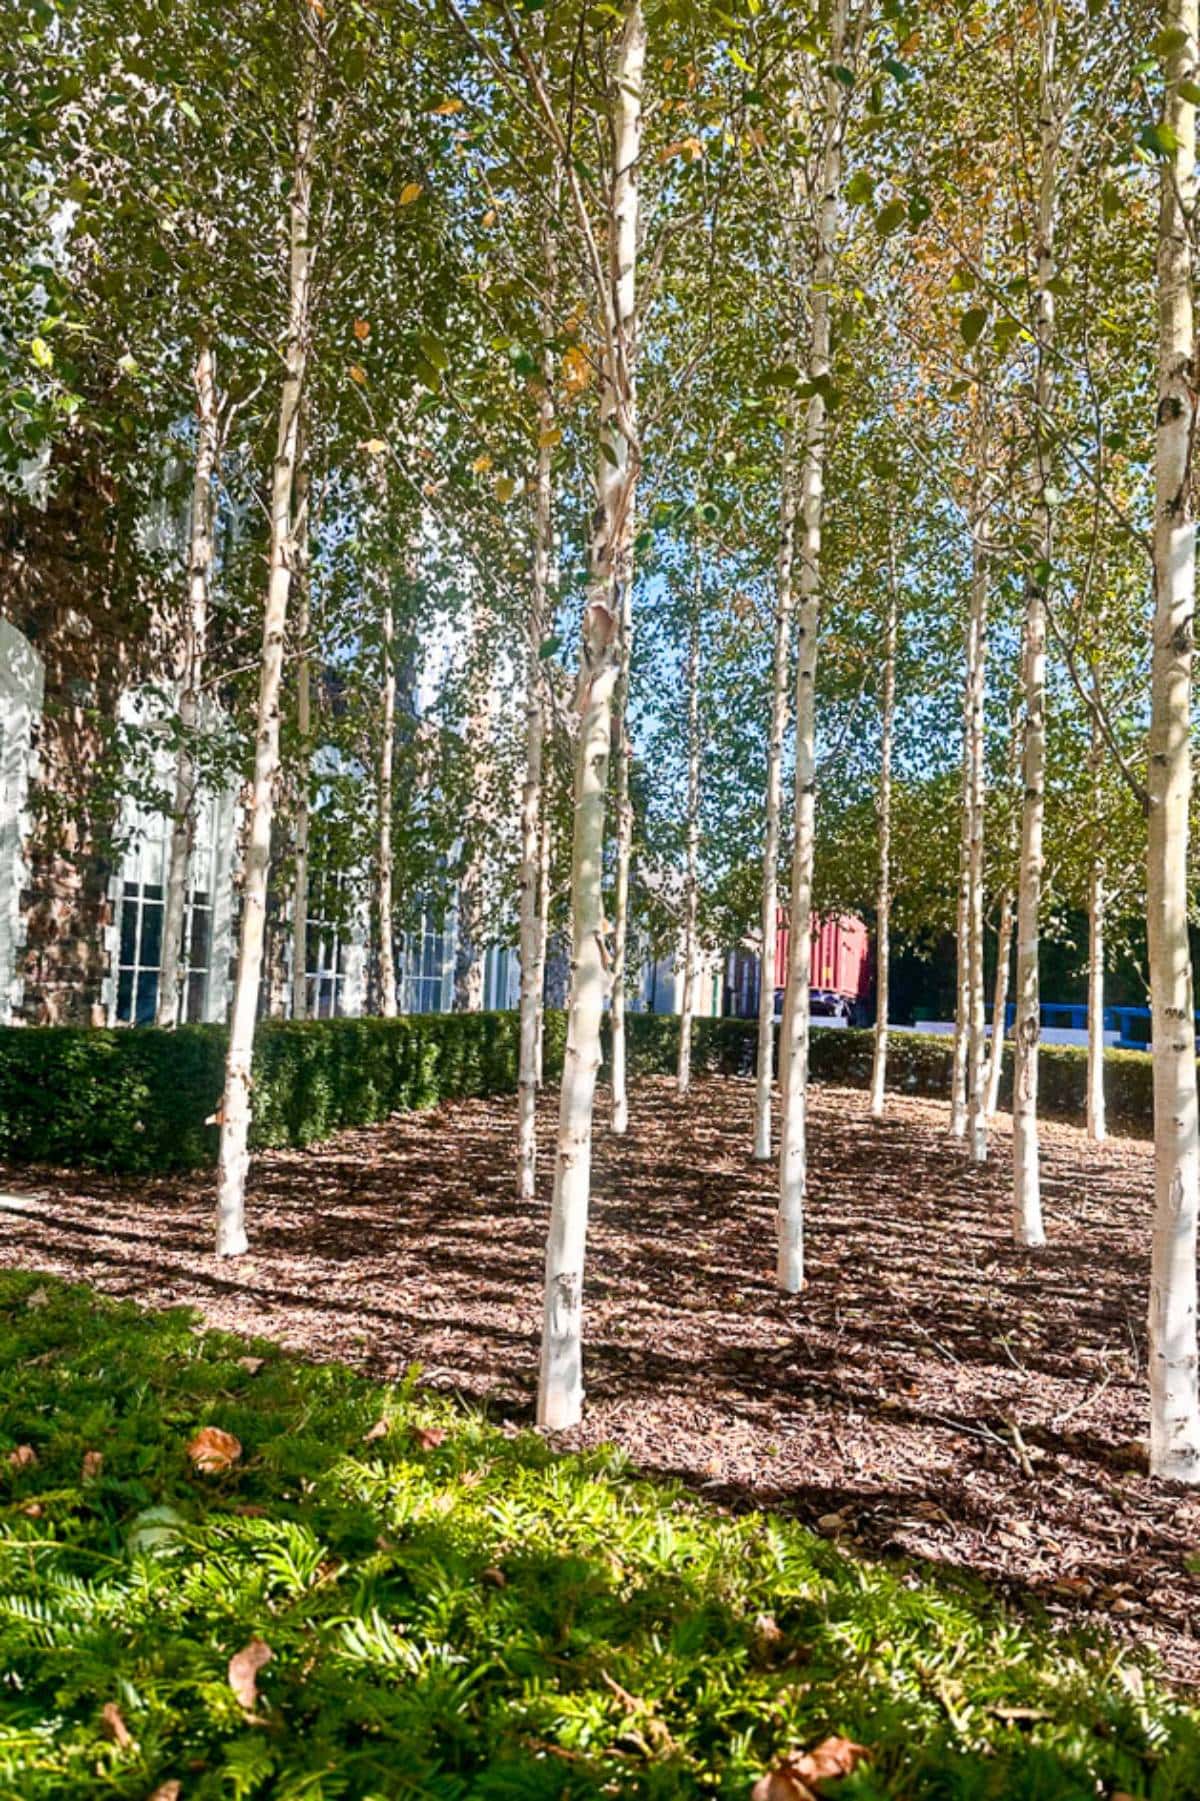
[860,188]
[549,647]
[971,324]
[891,218]
[899,70]
[1159,140]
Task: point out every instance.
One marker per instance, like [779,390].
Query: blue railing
[1132,1024]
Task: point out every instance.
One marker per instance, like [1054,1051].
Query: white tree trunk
[883,900]
[623,803]
[1097,1123]
[1174,1407]
[691,879]
[560,1387]
[1026,1194]
[962,940]
[191,673]
[532,929]
[793,1152]
[544,861]
[976,774]
[995,1065]
[385,867]
[780,683]
[304,734]
[234,1156]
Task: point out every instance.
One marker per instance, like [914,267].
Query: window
[425,965]
[140,910]
[327,944]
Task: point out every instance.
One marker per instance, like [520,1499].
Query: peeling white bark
[234,1155]
[1174,1404]
[304,735]
[780,683]
[560,1386]
[691,879]
[793,1151]
[191,674]
[883,898]
[1026,1192]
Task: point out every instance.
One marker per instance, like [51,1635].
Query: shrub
[138,1101]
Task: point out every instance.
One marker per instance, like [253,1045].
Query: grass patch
[452,1610]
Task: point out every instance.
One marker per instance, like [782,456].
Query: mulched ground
[933,1390]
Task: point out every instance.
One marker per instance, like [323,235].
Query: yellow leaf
[506,487]
[482,464]
[489,218]
[362,330]
[449,106]
[375,447]
[576,370]
[547,439]
[411,191]
[358,374]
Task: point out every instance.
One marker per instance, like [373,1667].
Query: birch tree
[793,1154]
[883,904]
[1026,1196]
[1174,1402]
[191,675]
[560,1386]
[691,878]
[235,1113]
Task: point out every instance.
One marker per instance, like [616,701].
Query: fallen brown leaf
[378,1430]
[493,1577]
[251,1364]
[113,1726]
[167,1791]
[213,1450]
[429,1437]
[93,1463]
[244,1666]
[798,1776]
[23,1458]
[783,1783]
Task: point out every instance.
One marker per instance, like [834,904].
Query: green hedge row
[137,1101]
[917,1064]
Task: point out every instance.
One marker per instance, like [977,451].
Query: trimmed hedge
[917,1064]
[137,1101]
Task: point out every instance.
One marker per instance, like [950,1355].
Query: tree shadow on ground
[452,1608]
[946,1394]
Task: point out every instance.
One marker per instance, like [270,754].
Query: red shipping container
[841,955]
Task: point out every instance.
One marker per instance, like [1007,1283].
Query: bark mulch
[933,1390]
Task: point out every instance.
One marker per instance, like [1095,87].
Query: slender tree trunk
[962,939]
[1097,1124]
[304,735]
[385,869]
[1174,1405]
[793,1152]
[560,1388]
[623,804]
[234,1156]
[691,888]
[995,1065]
[976,772]
[883,901]
[532,929]
[539,979]
[780,681]
[1026,1194]
[171,999]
